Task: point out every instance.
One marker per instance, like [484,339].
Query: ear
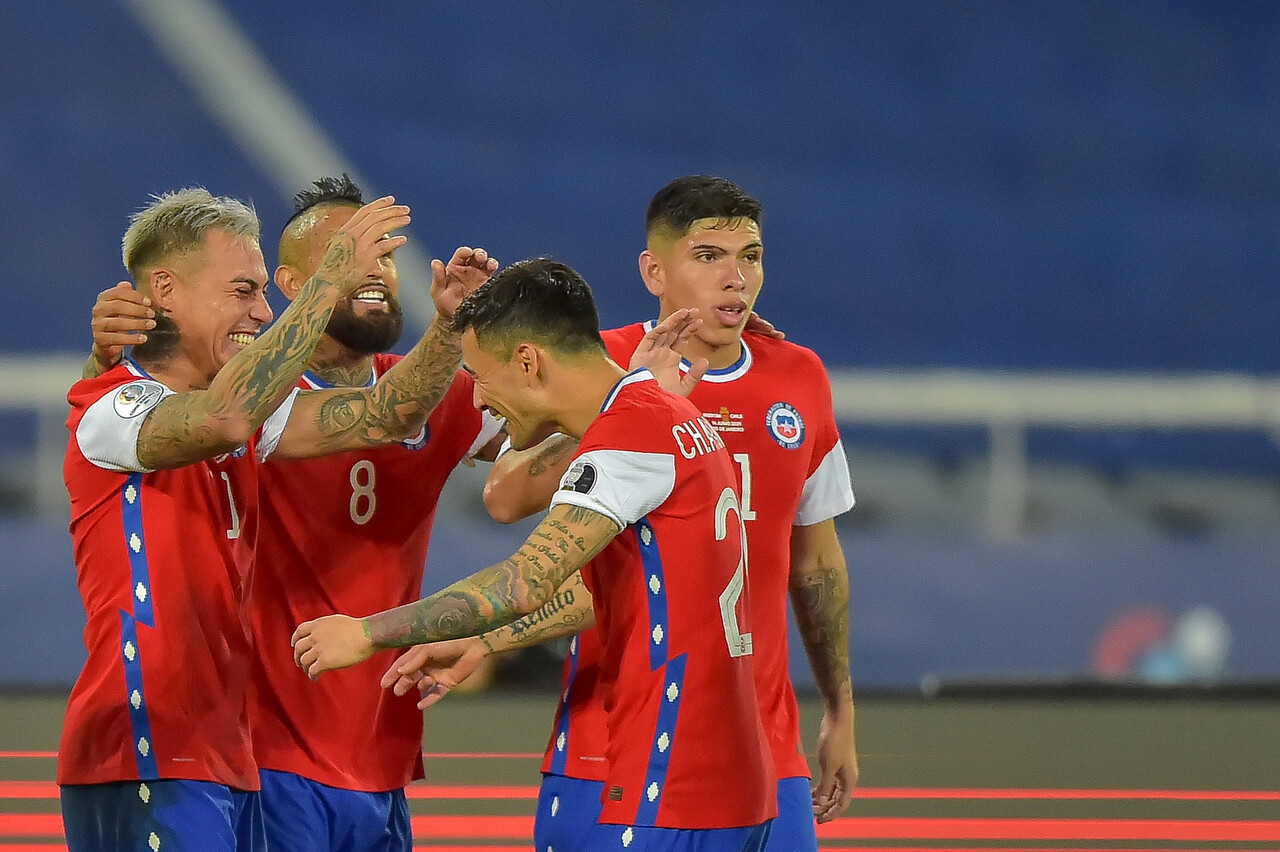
[532,364]
[651,272]
[289,280]
[163,289]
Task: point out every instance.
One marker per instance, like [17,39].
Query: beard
[376,331]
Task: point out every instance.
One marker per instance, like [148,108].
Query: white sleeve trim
[620,484]
[107,434]
[273,427]
[828,491]
[490,426]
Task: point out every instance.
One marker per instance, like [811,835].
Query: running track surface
[499,817]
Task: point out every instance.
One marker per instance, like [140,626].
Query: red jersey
[348,533]
[773,411]
[672,610]
[162,558]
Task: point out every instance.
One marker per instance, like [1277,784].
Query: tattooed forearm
[565,541]
[189,427]
[396,407]
[820,599]
[568,613]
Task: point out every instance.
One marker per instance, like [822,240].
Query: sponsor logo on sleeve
[785,425]
[138,398]
[581,477]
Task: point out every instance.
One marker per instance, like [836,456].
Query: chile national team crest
[785,425]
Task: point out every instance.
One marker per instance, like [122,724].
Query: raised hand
[121,317]
[659,351]
[451,283]
[356,248]
[436,668]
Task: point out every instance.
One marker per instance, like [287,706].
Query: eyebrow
[754,244]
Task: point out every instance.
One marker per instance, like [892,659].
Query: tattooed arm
[440,666]
[521,482]
[396,407]
[189,427]
[565,541]
[819,583]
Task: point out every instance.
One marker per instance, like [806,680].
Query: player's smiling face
[718,268]
[371,320]
[220,303]
[503,390]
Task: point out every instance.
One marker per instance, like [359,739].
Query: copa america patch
[785,425]
[138,398]
[581,477]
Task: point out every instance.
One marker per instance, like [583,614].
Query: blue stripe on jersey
[560,754]
[659,641]
[136,546]
[143,746]
[655,777]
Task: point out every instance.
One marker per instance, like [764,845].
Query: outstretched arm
[329,421]
[819,584]
[436,668]
[565,541]
[188,427]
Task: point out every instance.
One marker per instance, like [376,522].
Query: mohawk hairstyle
[326,190]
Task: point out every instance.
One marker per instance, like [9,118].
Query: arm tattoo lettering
[525,583]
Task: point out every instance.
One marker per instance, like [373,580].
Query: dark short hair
[689,199]
[538,300]
[325,190]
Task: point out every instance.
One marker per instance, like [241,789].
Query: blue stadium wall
[1023,186]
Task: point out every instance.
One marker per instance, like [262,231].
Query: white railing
[1005,404]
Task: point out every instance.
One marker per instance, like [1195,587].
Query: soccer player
[770,402]
[651,496]
[162,472]
[335,757]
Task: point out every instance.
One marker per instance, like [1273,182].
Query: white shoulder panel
[620,484]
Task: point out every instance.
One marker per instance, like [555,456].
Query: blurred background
[1035,243]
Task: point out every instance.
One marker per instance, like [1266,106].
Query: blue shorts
[567,812]
[751,838]
[173,815]
[569,807]
[304,815]
[793,830]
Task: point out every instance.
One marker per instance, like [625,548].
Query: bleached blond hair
[176,223]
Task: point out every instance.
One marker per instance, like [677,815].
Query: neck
[176,373]
[583,393]
[340,366]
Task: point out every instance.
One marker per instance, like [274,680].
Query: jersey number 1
[738,639]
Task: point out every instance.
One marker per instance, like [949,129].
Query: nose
[261,310]
[736,279]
